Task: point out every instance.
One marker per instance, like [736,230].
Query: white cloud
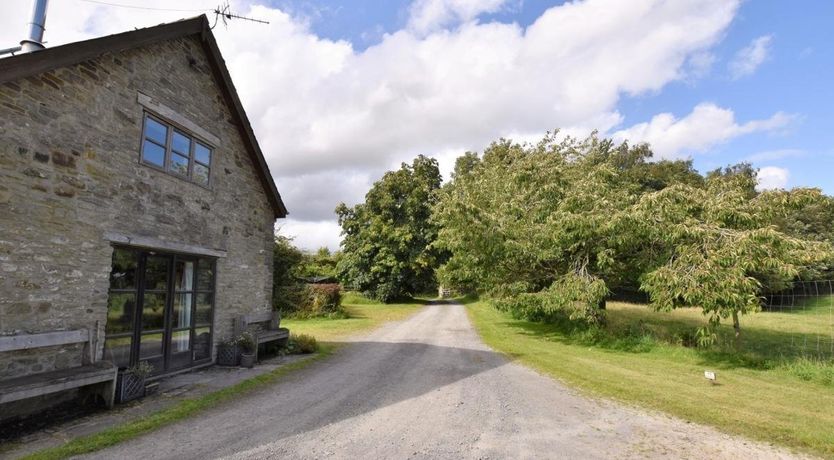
[771,177]
[330,118]
[700,64]
[430,15]
[311,235]
[705,127]
[314,193]
[749,58]
[771,155]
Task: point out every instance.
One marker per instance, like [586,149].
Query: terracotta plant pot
[247,360]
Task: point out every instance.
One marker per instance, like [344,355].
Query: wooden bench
[101,373]
[269,332]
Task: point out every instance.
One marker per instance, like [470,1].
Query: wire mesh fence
[807,311]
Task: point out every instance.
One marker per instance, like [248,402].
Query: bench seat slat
[265,336]
[46,339]
[54,381]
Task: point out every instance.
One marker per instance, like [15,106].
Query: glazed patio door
[154,310]
[160,309]
[178,353]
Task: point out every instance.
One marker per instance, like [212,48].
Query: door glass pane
[182,310]
[181,341]
[183,275]
[150,345]
[203,313]
[155,130]
[123,274]
[205,275]
[179,164]
[153,311]
[202,343]
[117,350]
[181,143]
[156,273]
[153,153]
[121,308]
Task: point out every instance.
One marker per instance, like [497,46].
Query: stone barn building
[135,203]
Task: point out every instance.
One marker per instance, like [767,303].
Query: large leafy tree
[552,228]
[286,262]
[722,248]
[387,249]
[533,225]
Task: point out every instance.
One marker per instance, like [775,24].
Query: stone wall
[70,173]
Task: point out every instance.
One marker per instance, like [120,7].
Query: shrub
[324,298]
[302,344]
[317,300]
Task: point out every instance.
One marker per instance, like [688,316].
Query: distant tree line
[552,229]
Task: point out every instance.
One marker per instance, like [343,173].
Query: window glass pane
[155,130]
[181,143]
[179,164]
[202,154]
[181,341]
[202,343]
[153,311]
[150,345]
[153,153]
[117,350]
[156,273]
[182,310]
[120,311]
[205,275]
[203,313]
[123,274]
[201,174]
[183,275]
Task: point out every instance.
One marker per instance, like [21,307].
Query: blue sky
[339,91]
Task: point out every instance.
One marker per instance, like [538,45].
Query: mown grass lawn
[364,315]
[765,391]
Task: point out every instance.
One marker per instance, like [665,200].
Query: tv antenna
[224,13]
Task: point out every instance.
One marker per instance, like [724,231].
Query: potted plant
[248,347]
[227,352]
[130,383]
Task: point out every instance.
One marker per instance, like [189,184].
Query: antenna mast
[224,12]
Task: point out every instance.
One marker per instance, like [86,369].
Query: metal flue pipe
[37,26]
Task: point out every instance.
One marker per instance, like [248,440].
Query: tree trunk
[736,325]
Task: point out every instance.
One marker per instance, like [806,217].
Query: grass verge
[754,398]
[364,315]
[167,416]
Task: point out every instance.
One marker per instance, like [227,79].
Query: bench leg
[108,393]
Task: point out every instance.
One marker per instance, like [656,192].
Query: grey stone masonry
[71,177]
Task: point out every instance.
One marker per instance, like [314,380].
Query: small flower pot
[129,386]
[247,360]
[227,355]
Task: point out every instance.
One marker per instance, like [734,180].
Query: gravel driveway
[429,388]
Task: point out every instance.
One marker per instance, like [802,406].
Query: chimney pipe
[37,26]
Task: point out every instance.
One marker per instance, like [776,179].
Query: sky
[340,91]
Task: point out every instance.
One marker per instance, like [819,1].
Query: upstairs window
[175,151]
